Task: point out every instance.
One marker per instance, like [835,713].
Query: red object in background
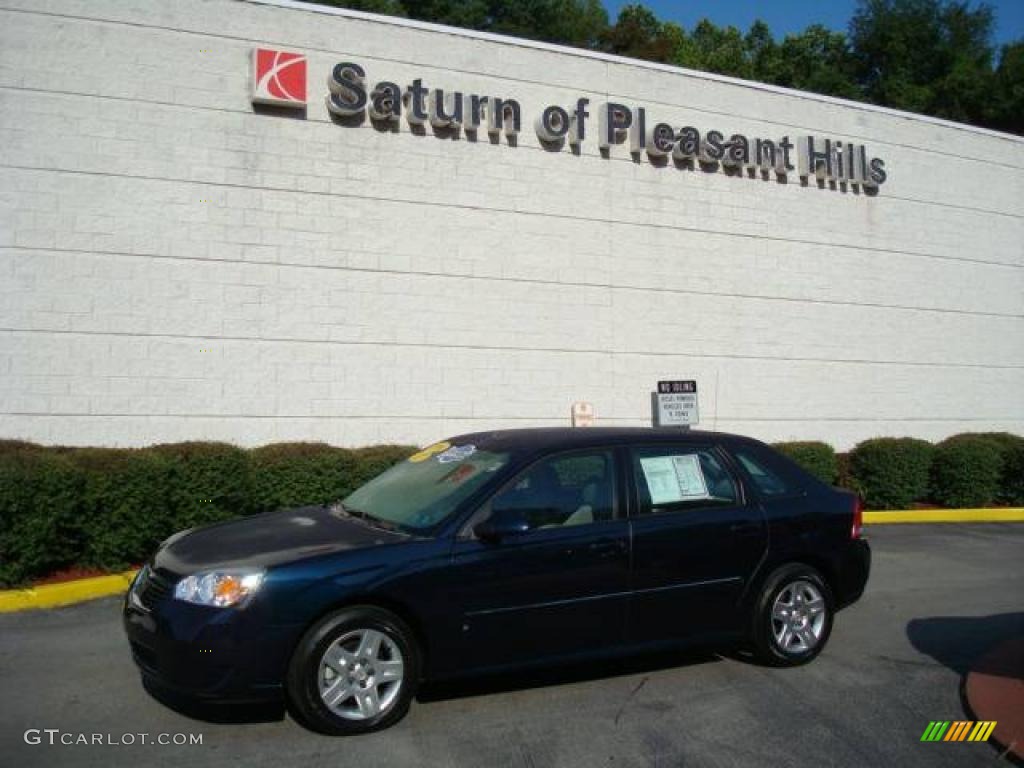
[994,690]
[279,78]
[460,473]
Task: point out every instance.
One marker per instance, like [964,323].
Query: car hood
[270,539]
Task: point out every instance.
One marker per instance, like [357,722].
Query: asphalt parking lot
[939,596]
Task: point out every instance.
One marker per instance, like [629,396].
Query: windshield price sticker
[456,453]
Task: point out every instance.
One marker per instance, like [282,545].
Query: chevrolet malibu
[500,550]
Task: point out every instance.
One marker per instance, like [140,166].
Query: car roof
[545,439]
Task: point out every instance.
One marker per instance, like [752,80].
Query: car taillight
[858,518]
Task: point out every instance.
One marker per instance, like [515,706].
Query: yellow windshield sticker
[429,451]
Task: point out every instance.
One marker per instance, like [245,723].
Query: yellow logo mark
[429,451]
[958,730]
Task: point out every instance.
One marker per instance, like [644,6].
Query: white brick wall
[176,266]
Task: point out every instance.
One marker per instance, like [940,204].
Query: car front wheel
[354,671]
[793,617]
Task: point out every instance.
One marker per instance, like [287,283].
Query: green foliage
[966,470]
[722,50]
[374,459]
[16,446]
[39,518]
[1006,102]
[1011,452]
[817,458]
[109,508]
[572,22]
[817,60]
[639,34]
[891,472]
[387,7]
[1011,485]
[206,482]
[123,506]
[929,56]
[296,474]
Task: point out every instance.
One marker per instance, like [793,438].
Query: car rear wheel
[793,616]
[354,671]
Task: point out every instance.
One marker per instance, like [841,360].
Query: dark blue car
[497,550]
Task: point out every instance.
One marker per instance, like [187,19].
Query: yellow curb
[52,595]
[1006,515]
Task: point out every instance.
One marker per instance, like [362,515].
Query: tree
[387,7]
[761,51]
[468,14]
[1006,107]
[933,57]
[571,22]
[930,56]
[816,60]
[639,34]
[715,49]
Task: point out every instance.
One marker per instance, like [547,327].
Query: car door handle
[745,529]
[607,547]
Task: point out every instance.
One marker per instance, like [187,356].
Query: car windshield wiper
[377,522]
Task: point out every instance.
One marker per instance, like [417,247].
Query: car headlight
[219,588]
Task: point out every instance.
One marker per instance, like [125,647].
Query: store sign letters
[350,96]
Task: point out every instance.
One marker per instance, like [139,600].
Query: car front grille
[153,588]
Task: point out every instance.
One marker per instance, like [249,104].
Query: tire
[782,637]
[369,675]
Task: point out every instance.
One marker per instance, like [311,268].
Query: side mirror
[502,523]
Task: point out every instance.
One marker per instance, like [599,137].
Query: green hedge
[125,505]
[40,525]
[965,471]
[1011,479]
[293,474]
[109,508]
[891,472]
[205,482]
[817,458]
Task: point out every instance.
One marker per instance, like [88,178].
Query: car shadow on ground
[577,672]
[958,641]
[962,643]
[217,712]
[563,674]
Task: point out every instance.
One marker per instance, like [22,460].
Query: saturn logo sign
[278,78]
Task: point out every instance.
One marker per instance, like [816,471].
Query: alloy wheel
[798,617]
[361,674]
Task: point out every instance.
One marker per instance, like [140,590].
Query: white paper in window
[674,478]
[661,479]
[690,476]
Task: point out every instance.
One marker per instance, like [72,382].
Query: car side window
[564,490]
[768,483]
[680,477]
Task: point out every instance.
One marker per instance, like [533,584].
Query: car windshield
[424,489]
